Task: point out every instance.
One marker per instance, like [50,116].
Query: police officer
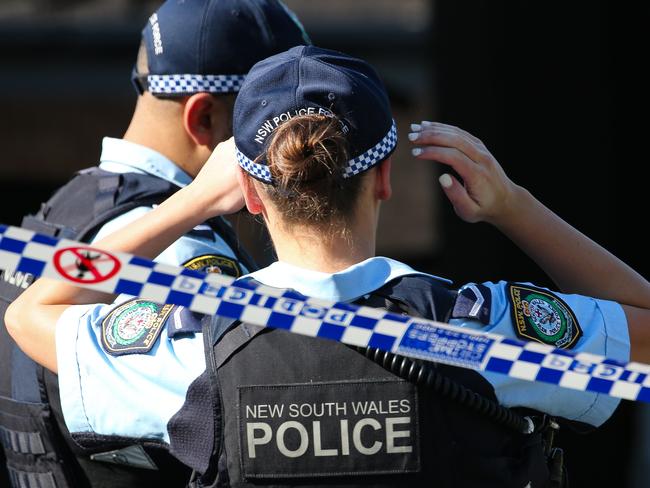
[192,60]
[314,135]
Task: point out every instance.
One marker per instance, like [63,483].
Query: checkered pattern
[373,155]
[586,372]
[170,84]
[25,251]
[256,170]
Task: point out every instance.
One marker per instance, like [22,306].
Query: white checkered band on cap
[259,171]
[195,83]
[355,166]
[373,155]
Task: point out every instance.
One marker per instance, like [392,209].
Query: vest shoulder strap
[418,295]
[93,197]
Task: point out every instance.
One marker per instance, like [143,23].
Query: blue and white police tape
[24,251]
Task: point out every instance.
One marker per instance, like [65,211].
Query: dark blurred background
[557,91]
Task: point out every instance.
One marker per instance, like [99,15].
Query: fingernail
[426,122]
[416,151]
[413,136]
[445,181]
[416,127]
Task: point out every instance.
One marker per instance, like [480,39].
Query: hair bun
[306,149]
[307,156]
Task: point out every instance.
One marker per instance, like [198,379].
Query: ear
[206,120]
[383,189]
[253,201]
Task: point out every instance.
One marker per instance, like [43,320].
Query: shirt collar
[122,156]
[344,286]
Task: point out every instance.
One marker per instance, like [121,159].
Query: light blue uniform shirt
[102,393]
[136,395]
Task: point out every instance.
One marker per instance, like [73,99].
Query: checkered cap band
[355,166]
[170,84]
[259,171]
[373,155]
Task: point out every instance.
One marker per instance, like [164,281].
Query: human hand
[486,194]
[216,184]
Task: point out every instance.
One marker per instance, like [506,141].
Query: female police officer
[314,134]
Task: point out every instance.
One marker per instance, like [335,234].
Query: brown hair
[306,157]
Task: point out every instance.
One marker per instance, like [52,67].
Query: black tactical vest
[38,448]
[290,410]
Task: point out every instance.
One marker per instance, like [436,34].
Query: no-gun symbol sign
[86,265]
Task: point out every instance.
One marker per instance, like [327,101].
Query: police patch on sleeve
[133,327]
[325,429]
[542,316]
[212,263]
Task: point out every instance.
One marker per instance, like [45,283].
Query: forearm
[154,232]
[157,230]
[574,262]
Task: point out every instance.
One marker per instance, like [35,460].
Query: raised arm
[573,261]
[31,319]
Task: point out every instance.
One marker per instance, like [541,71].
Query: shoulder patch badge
[133,327]
[212,263]
[542,316]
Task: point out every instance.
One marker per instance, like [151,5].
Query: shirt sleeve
[602,329]
[132,395]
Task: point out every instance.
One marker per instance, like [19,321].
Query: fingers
[463,165]
[439,125]
[466,208]
[448,136]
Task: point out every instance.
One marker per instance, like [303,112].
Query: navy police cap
[311,80]
[209,45]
